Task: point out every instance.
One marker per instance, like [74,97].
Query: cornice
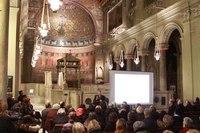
[68,49]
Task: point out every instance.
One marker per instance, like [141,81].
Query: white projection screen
[132,87]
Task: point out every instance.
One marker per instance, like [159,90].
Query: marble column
[163,76]
[117,63]
[143,63]
[4,21]
[48,86]
[129,62]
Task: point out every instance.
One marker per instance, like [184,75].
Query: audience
[20,117]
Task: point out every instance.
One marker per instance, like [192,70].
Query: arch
[147,39]
[167,31]
[81,6]
[130,46]
[97,31]
[118,49]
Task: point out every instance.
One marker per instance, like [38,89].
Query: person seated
[120,126]
[60,120]
[6,124]
[27,107]
[94,127]
[187,124]
[78,128]
[139,127]
[149,122]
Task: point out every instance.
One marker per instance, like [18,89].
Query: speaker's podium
[69,67]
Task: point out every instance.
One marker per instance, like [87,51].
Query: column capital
[143,52]
[116,59]
[162,46]
[128,56]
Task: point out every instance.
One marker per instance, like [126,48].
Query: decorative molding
[149,23]
[67,43]
[155,6]
[190,13]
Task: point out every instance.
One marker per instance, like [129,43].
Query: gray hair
[138,125]
[187,122]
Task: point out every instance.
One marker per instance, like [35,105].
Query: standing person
[21,96]
[98,98]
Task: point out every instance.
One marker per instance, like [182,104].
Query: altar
[68,87]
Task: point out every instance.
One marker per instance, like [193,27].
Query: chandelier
[110,62]
[137,59]
[55,4]
[121,59]
[157,53]
[36,52]
[45,23]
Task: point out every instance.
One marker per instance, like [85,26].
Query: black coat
[6,125]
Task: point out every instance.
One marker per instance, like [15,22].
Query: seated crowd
[99,117]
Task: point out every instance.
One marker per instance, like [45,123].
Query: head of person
[93,125]
[62,104]
[138,125]
[78,128]
[55,106]
[131,116]
[168,131]
[187,122]
[168,120]
[140,109]
[21,93]
[61,111]
[67,128]
[179,102]
[147,112]
[193,131]
[112,117]
[121,124]
[48,105]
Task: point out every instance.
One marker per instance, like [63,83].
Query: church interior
[64,50]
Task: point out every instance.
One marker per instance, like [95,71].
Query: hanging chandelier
[55,4]
[45,23]
[36,52]
[157,53]
[110,62]
[137,59]
[121,60]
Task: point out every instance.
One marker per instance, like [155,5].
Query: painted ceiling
[77,23]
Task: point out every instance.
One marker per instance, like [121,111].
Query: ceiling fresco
[77,23]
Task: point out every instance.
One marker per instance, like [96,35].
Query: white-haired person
[59,120]
[139,127]
[187,124]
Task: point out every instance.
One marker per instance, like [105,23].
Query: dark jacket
[6,125]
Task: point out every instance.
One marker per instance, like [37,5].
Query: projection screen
[132,87]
